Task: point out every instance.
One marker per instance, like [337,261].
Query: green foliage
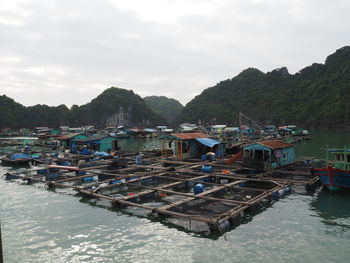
[118,106]
[318,95]
[169,109]
[12,114]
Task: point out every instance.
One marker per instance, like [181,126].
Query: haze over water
[59,226]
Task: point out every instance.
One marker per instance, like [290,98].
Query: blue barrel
[275,195]
[204,157]
[138,160]
[211,157]
[80,172]
[115,182]
[198,188]
[207,169]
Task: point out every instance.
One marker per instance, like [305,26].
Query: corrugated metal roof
[275,144]
[190,135]
[67,136]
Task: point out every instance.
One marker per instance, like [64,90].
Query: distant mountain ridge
[112,107]
[169,109]
[318,95]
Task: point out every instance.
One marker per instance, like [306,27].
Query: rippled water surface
[60,226]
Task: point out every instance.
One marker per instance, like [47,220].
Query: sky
[67,52]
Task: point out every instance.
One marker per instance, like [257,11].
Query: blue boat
[336,174]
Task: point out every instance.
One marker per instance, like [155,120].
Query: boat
[336,173]
[16,159]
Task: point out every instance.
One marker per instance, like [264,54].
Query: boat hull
[6,162]
[334,179]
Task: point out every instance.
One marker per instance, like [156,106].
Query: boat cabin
[266,155]
[339,159]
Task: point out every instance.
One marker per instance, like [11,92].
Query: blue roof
[207,142]
[19,156]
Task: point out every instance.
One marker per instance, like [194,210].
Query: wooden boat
[16,160]
[336,174]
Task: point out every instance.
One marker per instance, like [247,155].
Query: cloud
[67,52]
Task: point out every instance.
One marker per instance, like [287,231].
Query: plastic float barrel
[138,159]
[52,176]
[87,179]
[275,195]
[211,157]
[42,172]
[223,181]
[204,157]
[281,193]
[115,182]
[80,172]
[207,169]
[223,225]
[198,188]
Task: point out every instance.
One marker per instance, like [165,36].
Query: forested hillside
[169,109]
[112,107]
[318,95]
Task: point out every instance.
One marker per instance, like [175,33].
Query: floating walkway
[188,193]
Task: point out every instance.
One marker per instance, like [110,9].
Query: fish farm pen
[205,196]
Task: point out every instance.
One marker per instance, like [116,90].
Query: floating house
[67,139]
[149,133]
[161,128]
[217,130]
[55,132]
[193,145]
[75,130]
[187,127]
[231,132]
[267,155]
[38,130]
[270,129]
[245,130]
[135,133]
[64,129]
[100,143]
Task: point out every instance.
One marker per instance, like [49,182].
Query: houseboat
[335,175]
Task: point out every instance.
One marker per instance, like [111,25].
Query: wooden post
[1,255]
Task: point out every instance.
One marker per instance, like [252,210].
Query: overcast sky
[68,51]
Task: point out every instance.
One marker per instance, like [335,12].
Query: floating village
[203,179]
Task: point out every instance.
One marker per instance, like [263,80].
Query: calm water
[59,226]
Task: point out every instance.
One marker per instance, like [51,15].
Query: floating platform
[197,195]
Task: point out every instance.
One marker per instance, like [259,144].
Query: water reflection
[333,209]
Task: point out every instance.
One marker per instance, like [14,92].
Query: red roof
[275,144]
[190,135]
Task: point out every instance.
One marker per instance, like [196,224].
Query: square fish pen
[196,202]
